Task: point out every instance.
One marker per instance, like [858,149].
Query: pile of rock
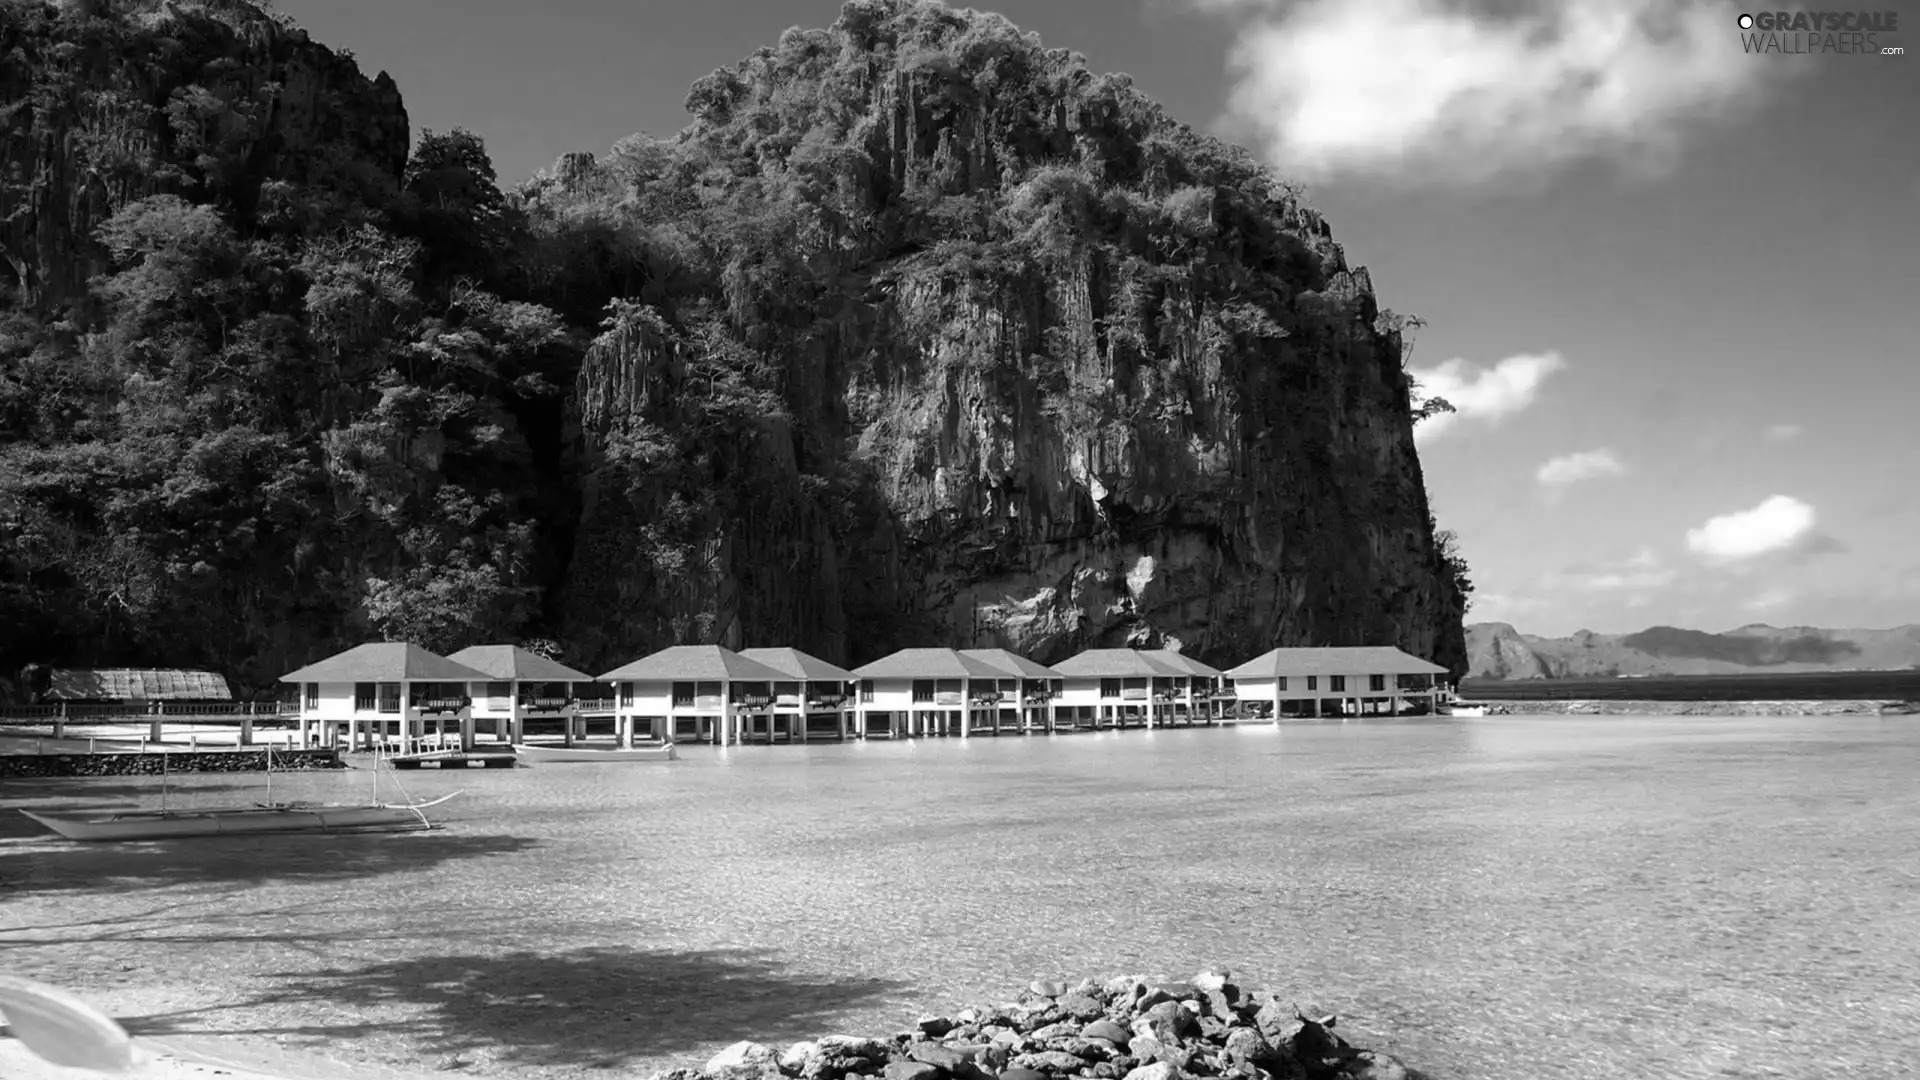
[1129,1028]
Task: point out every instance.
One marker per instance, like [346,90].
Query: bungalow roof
[1116,664]
[708,663]
[1343,660]
[385,661]
[511,662]
[795,664]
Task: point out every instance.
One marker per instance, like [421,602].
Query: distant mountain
[1498,651]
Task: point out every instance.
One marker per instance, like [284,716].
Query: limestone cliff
[110,103]
[1054,372]
[919,334]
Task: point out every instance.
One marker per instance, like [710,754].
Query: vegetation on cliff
[919,333]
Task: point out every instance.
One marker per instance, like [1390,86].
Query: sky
[1670,284]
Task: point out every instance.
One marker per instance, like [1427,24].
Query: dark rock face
[920,334]
[1059,373]
[237,98]
[1256,1037]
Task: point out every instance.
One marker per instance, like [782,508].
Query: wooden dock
[489,757]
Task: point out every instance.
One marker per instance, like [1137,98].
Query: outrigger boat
[262,817]
[555,755]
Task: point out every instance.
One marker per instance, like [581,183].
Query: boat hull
[160,825]
[558,755]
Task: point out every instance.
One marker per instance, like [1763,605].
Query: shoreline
[1609,707]
[1129,1027]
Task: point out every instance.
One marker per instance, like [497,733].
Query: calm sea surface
[1506,898]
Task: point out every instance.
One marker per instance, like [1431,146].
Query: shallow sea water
[1501,898]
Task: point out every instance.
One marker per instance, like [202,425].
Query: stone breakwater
[177,761]
[1128,1028]
[1573,707]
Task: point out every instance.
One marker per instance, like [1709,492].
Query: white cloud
[1783,432]
[1781,523]
[1478,393]
[1770,600]
[1464,90]
[1583,465]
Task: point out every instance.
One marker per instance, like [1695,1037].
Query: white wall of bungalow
[698,692]
[522,686]
[924,691]
[382,690]
[1313,681]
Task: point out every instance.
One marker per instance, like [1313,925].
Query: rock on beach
[1132,1027]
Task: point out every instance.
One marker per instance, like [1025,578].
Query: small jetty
[495,756]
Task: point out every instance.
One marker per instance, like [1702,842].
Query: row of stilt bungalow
[395,692]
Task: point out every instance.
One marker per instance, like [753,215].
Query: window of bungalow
[922,691]
[682,695]
[364,696]
[499,694]
[312,690]
[626,694]
[709,691]
[786,690]
[1109,688]
[950,688]
[866,691]
[390,697]
[1376,682]
[1313,682]
[1337,683]
[1280,682]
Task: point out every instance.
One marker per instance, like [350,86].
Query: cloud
[1464,90]
[1478,393]
[1770,600]
[1583,465]
[1783,432]
[1781,524]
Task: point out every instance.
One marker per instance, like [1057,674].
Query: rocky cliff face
[919,334]
[1064,374]
[111,103]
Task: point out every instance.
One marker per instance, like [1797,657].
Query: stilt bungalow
[924,692]
[1349,681]
[1114,687]
[1025,697]
[520,686]
[388,690]
[815,699]
[60,696]
[1192,699]
[690,693]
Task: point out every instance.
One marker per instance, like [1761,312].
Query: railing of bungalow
[753,701]
[1168,695]
[1133,693]
[442,704]
[546,704]
[986,697]
[946,697]
[826,701]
